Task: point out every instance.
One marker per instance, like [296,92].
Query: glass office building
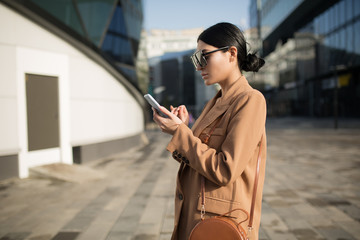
[319,74]
[273,12]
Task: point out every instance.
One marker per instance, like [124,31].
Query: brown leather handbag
[222,227]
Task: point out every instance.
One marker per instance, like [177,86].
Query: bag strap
[252,208]
[208,135]
[206,141]
[236,209]
[255,187]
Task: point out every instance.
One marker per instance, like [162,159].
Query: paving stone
[278,234]
[15,236]
[274,222]
[101,226]
[305,209]
[334,233]
[352,227]
[334,214]
[119,235]
[66,236]
[262,234]
[165,236]
[351,210]
[41,237]
[145,237]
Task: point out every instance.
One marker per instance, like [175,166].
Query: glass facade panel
[253,14]
[348,9]
[357,37]
[356,8]
[118,48]
[133,17]
[274,12]
[342,39]
[116,42]
[331,18]
[95,26]
[64,11]
[317,26]
[117,24]
[341,13]
[321,25]
[130,73]
[335,40]
[326,22]
[349,38]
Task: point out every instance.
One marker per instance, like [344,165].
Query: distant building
[312,56]
[142,65]
[159,42]
[173,78]
[254,46]
[178,83]
[68,85]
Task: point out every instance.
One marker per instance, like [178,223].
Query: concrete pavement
[311,190]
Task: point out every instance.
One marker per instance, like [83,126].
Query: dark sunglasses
[199,60]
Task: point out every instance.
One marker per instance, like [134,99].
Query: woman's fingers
[183,114]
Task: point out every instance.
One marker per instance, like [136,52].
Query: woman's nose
[199,68]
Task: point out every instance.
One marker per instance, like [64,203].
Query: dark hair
[227,34]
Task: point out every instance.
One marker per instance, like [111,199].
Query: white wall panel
[9,143]
[7,73]
[101,108]
[8,101]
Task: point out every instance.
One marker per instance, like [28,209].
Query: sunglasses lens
[194,61]
[198,59]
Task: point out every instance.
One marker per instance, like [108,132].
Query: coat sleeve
[243,133]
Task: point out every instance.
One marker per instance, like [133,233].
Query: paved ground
[312,190]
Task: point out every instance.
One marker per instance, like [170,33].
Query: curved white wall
[94,106]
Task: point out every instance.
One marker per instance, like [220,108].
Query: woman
[235,119]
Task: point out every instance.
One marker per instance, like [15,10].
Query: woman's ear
[233,53]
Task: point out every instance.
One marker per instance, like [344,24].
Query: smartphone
[154,104]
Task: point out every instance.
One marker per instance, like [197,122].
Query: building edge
[9,160]
[85,48]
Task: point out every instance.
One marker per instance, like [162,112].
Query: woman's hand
[167,125]
[182,113]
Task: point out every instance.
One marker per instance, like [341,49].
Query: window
[342,39]
[356,4]
[64,11]
[348,10]
[90,10]
[332,18]
[350,38]
[326,22]
[357,37]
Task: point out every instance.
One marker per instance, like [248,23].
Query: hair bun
[252,63]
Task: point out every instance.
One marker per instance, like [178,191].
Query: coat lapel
[214,110]
[205,111]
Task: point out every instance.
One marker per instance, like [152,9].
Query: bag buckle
[248,233]
[202,212]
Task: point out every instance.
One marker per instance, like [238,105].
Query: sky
[187,14]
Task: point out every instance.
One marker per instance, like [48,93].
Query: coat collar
[218,105]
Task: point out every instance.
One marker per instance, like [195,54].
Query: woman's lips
[204,75]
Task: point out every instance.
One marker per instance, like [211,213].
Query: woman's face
[218,65]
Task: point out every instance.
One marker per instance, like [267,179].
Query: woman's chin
[207,82]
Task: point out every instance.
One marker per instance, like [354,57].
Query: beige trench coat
[228,162]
